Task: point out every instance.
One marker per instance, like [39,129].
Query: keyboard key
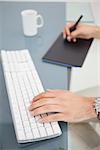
[49,131]
[42,131]
[21,136]
[33,125]
[29,136]
[56,129]
[35,132]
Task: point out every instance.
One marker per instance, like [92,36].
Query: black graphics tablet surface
[67,53]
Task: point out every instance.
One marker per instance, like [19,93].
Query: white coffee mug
[30,22]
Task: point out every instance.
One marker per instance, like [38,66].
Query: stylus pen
[76,23]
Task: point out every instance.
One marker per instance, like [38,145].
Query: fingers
[74,40]
[66,32]
[71,36]
[75,34]
[43,101]
[43,95]
[46,109]
[52,118]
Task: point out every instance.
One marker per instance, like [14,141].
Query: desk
[52,76]
[90,70]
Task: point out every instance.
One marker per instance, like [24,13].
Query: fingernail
[69,38]
[74,40]
[32,100]
[31,113]
[40,121]
[29,108]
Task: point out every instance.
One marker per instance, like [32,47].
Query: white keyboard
[23,83]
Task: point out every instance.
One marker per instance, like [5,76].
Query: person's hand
[62,106]
[82,31]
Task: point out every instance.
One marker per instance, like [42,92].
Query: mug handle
[42,21]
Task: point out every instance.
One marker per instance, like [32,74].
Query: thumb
[75,34]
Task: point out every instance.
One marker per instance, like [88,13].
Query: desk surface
[52,76]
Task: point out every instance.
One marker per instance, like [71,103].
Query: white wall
[75,9]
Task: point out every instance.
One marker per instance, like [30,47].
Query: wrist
[96,32]
[91,113]
[93,106]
